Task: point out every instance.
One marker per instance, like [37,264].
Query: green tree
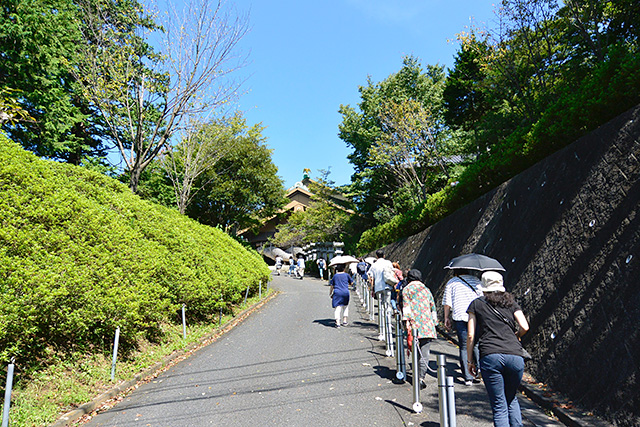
[241,189]
[199,150]
[374,185]
[464,95]
[39,40]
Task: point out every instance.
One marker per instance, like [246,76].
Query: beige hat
[492,282]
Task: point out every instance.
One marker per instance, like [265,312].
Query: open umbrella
[475,262]
[370,260]
[342,259]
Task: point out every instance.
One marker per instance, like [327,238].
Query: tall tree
[374,184]
[202,146]
[410,147]
[242,188]
[39,42]
[464,97]
[144,96]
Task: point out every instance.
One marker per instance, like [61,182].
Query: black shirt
[492,333]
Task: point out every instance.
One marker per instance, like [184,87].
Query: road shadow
[385,373]
[329,323]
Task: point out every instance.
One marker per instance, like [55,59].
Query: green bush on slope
[80,255]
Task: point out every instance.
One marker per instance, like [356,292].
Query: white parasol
[342,259]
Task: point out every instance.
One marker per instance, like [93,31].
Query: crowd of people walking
[487,320]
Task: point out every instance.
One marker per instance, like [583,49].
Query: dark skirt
[340,299]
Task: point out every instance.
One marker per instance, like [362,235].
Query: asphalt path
[287,365]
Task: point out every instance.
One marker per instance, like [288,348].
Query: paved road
[286,365]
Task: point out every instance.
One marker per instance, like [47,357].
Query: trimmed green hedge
[80,255]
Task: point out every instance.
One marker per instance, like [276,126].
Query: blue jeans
[501,374]
[461,331]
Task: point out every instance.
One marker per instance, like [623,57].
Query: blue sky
[306,58]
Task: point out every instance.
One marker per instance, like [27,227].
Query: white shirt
[458,295]
[377,272]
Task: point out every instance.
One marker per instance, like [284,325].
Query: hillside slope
[80,255]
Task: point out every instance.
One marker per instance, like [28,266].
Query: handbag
[390,277]
[524,353]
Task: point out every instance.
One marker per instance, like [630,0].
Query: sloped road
[286,365]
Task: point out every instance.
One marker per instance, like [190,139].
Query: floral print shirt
[420,307]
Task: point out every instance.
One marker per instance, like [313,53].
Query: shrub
[80,255]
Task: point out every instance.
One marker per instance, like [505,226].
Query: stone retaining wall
[568,232]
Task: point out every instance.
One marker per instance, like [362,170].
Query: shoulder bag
[525,354]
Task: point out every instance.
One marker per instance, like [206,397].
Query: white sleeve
[446,298]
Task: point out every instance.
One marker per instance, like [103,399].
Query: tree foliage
[242,188]
[144,95]
[377,132]
[39,41]
[546,75]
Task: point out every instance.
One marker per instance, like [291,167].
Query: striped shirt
[458,295]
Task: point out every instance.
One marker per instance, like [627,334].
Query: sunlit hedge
[80,255]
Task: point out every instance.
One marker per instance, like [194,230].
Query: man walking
[300,270]
[382,290]
[459,291]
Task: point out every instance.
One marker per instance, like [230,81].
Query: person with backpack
[322,266]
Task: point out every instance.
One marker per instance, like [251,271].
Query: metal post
[417,406]
[388,330]
[451,402]
[260,292]
[7,394]
[401,349]
[220,314]
[442,399]
[115,354]
[246,294]
[371,306]
[365,297]
[400,369]
[380,315]
[184,324]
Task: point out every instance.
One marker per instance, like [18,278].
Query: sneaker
[468,382]
[345,323]
[423,385]
[380,337]
[337,324]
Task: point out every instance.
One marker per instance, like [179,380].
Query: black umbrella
[475,262]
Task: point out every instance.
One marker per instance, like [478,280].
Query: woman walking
[497,322]
[419,312]
[339,291]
